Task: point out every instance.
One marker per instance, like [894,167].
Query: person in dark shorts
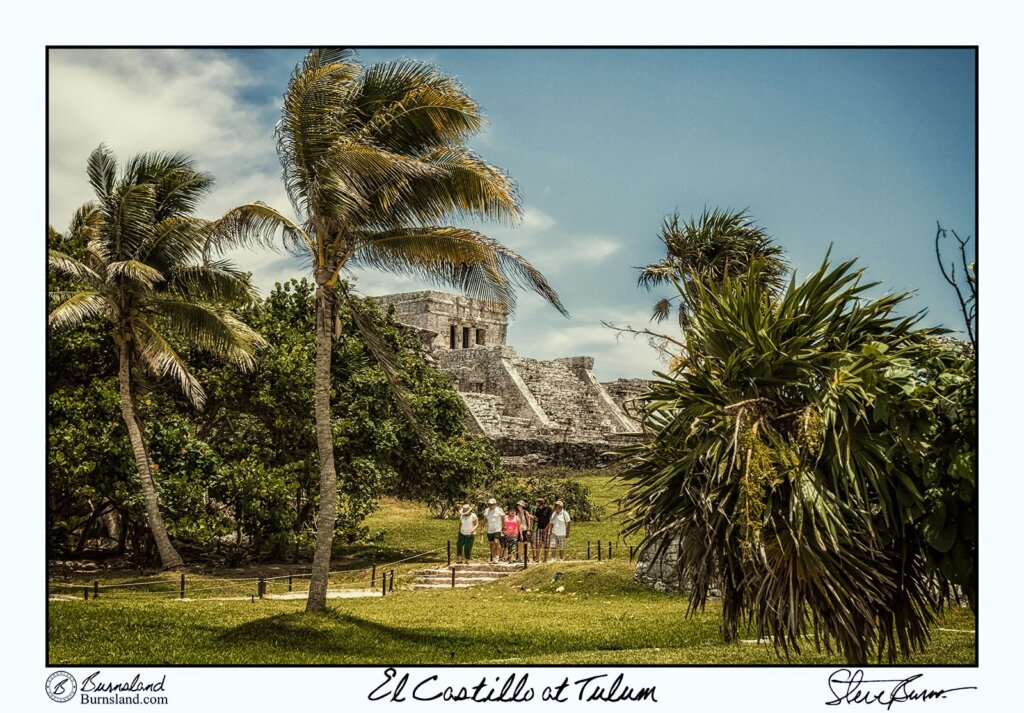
[494,514]
[542,528]
[525,527]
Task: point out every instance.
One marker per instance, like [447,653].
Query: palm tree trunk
[169,557]
[328,510]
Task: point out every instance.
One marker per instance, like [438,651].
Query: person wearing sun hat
[467,529]
[559,530]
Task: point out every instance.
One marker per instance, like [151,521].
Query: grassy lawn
[599,617]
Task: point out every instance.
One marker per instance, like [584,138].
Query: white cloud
[169,100]
[194,101]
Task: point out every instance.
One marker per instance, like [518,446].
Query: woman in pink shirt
[511,525]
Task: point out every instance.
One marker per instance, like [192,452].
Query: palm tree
[715,245]
[787,459]
[374,161]
[144,270]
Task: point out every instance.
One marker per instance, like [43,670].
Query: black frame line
[781,665]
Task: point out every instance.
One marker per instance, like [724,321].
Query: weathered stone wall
[533,410]
[464,322]
[659,572]
[625,393]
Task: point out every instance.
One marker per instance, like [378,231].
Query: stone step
[502,567]
[442,586]
[441,579]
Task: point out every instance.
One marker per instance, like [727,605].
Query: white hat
[492,501]
[466,509]
[559,502]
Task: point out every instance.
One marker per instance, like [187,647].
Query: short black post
[391,583]
[383,585]
[526,555]
[252,598]
[261,586]
[588,549]
[449,553]
[609,549]
[289,581]
[599,550]
[182,595]
[85,591]
[95,589]
[373,576]
[453,576]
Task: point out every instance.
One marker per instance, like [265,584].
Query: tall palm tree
[715,245]
[144,269]
[374,161]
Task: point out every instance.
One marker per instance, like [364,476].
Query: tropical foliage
[142,266]
[238,480]
[710,247]
[374,160]
[797,458]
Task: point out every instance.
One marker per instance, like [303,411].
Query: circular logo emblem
[61,686]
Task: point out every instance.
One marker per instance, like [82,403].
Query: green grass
[600,616]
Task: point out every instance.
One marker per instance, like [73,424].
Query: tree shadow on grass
[340,636]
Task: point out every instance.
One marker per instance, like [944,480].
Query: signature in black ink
[851,687]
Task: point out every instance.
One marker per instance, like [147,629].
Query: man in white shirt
[494,514]
[559,530]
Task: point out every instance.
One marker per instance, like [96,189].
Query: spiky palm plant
[144,270]
[779,458]
[374,161]
[715,245]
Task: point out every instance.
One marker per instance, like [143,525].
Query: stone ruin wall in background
[535,411]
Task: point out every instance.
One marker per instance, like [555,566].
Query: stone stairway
[566,396]
[466,575]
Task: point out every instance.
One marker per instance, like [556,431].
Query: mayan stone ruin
[536,412]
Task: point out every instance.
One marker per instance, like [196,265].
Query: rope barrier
[229,582]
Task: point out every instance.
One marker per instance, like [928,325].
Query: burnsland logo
[61,686]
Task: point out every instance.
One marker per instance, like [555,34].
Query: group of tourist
[543,528]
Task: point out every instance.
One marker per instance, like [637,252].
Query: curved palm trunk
[169,557]
[328,510]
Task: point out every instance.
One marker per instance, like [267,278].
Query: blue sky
[860,149]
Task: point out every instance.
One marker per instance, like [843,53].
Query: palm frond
[259,224]
[459,184]
[157,354]
[75,268]
[179,187]
[385,357]
[662,308]
[479,266]
[214,281]
[413,107]
[315,109]
[210,327]
[78,308]
[135,271]
[102,171]
[175,241]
